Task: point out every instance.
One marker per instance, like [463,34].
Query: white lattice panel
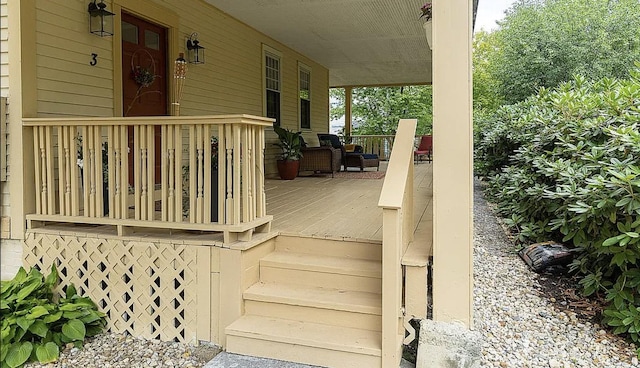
[146,288]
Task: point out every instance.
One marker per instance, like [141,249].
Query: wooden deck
[336,208]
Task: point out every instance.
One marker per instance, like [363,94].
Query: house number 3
[94,59]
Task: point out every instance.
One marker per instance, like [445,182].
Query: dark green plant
[36,322]
[565,165]
[290,144]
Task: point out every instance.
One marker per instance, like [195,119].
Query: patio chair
[424,149]
[352,157]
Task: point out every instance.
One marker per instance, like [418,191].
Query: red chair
[424,149]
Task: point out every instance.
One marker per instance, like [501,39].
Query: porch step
[304,342]
[322,271]
[346,308]
[347,249]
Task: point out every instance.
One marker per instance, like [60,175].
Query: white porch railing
[376,144]
[396,201]
[157,172]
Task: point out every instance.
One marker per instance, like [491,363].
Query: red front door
[144,76]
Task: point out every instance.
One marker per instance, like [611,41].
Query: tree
[376,110]
[486,96]
[546,42]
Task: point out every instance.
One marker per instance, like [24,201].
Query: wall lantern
[100,19]
[195,52]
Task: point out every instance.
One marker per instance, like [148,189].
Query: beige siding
[67,85]
[230,82]
[4,92]
[4,49]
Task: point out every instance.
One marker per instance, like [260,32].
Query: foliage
[35,325]
[377,110]
[485,85]
[290,144]
[425,12]
[545,42]
[565,165]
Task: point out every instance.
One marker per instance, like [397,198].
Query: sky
[489,11]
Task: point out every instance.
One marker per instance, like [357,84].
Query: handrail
[91,168]
[396,201]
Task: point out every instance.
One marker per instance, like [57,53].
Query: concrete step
[346,308]
[304,342]
[322,271]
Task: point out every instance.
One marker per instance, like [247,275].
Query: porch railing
[190,173]
[396,201]
[377,144]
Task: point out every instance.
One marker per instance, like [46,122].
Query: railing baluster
[206,142]
[178,173]
[192,174]
[151,171]
[236,174]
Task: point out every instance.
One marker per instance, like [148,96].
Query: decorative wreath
[143,76]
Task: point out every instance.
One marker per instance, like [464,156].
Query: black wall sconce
[195,52]
[100,19]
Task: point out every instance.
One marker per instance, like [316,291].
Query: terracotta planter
[288,170]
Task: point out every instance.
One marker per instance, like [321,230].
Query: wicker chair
[321,159]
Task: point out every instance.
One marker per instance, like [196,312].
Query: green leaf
[52,278]
[39,328]
[37,311]
[47,353]
[24,323]
[4,349]
[18,354]
[50,318]
[74,330]
[611,241]
[71,291]
[28,289]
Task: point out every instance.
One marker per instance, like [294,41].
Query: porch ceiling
[361,42]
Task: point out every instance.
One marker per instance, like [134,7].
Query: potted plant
[426,13]
[289,159]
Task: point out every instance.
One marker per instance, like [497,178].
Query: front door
[144,76]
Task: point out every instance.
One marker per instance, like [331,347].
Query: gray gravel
[520,325]
[120,351]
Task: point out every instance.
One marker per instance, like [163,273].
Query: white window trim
[271,51]
[304,67]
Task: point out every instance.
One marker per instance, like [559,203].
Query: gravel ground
[522,321]
[120,351]
[527,320]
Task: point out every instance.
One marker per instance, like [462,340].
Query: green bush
[35,324]
[565,165]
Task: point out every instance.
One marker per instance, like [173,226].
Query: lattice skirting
[146,288]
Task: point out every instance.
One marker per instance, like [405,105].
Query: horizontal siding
[66,84]
[4,92]
[4,49]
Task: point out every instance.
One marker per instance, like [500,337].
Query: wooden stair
[318,302]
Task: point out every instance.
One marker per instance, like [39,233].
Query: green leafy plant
[565,165]
[36,322]
[290,144]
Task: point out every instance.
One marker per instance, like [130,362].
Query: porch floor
[337,208]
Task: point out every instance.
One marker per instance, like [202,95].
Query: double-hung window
[273,84]
[304,88]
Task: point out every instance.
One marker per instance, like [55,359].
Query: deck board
[342,208]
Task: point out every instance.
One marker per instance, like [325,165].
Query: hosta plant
[36,322]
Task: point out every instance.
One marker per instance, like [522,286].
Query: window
[272,84]
[304,81]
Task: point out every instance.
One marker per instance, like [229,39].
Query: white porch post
[453,162]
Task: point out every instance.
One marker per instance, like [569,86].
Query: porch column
[347,110]
[22,103]
[453,162]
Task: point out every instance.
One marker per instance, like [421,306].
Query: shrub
[36,322]
[565,165]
